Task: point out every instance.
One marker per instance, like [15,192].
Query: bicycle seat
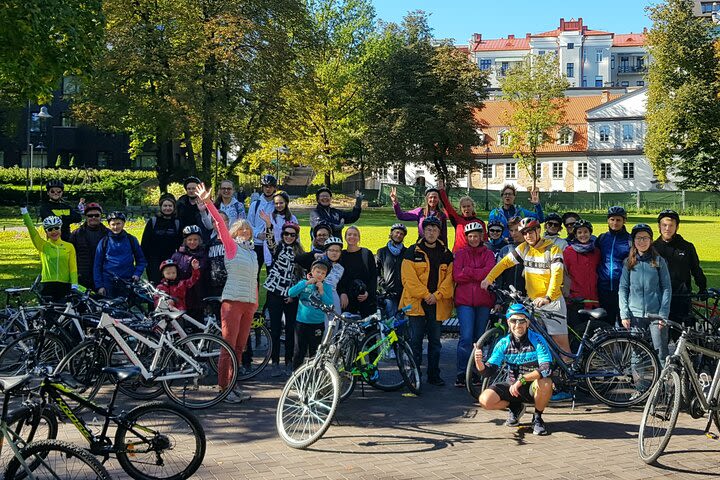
[10,383]
[120,374]
[351,317]
[596,313]
[17,291]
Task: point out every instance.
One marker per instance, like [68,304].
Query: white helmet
[52,222]
[474,227]
[333,241]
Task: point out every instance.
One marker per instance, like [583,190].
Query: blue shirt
[307,313]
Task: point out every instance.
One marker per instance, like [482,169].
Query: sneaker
[437,381]
[460,381]
[276,371]
[233,398]
[241,395]
[288,370]
[561,397]
[538,426]
[514,415]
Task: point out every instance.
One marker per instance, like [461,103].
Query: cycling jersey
[523,355]
[57,257]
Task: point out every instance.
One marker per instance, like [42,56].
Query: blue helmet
[517,309]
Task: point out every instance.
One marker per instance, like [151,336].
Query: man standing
[192,211]
[509,210]
[337,219]
[428,286]
[118,255]
[56,206]
[683,262]
[388,260]
[614,248]
[86,239]
[262,203]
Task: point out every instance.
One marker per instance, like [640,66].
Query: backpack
[134,245]
[177,224]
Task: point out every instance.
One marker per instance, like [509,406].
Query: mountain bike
[681,387]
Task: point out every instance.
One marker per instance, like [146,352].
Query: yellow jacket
[415,272]
[543,268]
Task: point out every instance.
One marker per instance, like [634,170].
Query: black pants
[277,307]
[260,252]
[364,309]
[56,291]
[307,338]
[610,301]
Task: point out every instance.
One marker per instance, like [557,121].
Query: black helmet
[398,226]
[191,179]
[553,217]
[322,225]
[669,214]
[116,216]
[321,190]
[641,227]
[322,262]
[616,211]
[268,179]
[191,230]
[431,220]
[54,184]
[583,223]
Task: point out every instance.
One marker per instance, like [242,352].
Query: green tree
[683,110]
[535,89]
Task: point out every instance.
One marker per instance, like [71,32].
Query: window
[486,171]
[628,133]
[570,70]
[485,64]
[624,84]
[584,81]
[582,170]
[599,55]
[557,170]
[541,52]
[510,170]
[504,66]
[640,83]
[395,174]
[565,136]
[104,159]
[538,170]
[67,120]
[605,171]
[570,46]
[604,133]
[709,7]
[145,161]
[628,170]
[503,138]
[382,174]
[612,62]
[599,81]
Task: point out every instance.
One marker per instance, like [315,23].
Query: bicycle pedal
[409,394]
[711,436]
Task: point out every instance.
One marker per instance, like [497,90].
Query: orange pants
[237,319]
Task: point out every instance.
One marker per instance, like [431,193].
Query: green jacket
[57,258]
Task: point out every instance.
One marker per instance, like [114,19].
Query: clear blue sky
[459,19]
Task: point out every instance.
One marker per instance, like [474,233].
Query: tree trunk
[207,150]
[328,181]
[401,173]
[164,163]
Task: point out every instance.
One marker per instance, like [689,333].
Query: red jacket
[582,273]
[179,289]
[470,267]
[459,222]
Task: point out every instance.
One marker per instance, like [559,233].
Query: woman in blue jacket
[645,288]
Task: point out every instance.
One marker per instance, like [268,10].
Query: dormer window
[566,136]
[504,137]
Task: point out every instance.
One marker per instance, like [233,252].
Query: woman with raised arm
[459,220]
[430,209]
[240,295]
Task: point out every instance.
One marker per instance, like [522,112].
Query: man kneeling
[528,358]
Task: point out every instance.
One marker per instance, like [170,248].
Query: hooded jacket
[117,255]
[614,249]
[645,289]
[470,267]
[179,288]
[582,270]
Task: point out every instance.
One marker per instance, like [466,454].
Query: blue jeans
[391,306]
[659,337]
[426,325]
[473,321]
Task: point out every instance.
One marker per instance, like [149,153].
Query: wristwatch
[522,380]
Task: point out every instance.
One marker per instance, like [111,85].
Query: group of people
[200,245]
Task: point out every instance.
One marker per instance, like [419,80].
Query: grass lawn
[20,263]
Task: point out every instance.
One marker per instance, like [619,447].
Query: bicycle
[617,367]
[680,387]
[45,458]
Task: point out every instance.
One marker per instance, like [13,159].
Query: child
[310,323]
[192,249]
[117,255]
[177,288]
[333,251]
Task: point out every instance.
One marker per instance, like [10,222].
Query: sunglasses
[226,188]
[52,229]
[569,225]
[495,230]
[289,234]
[517,321]
[552,224]
[93,215]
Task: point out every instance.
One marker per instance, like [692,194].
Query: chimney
[644,30]
[562,24]
[527,35]
[476,38]
[511,37]
[605,96]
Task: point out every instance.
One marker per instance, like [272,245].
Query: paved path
[443,434]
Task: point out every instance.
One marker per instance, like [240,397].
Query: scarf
[497,244]
[583,247]
[394,248]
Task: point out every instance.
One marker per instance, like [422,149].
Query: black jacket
[683,261]
[61,209]
[189,214]
[85,242]
[388,268]
[337,219]
[160,239]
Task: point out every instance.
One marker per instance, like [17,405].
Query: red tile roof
[629,40]
[502,44]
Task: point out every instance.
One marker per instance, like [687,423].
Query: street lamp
[284,150]
[487,176]
[44,116]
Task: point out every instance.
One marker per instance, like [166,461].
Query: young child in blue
[310,322]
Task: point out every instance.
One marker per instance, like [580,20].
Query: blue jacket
[501,215]
[646,289]
[306,313]
[117,256]
[614,249]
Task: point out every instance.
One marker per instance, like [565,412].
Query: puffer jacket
[645,289]
[178,289]
[415,273]
[614,249]
[471,266]
[86,241]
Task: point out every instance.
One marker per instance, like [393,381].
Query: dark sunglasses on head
[52,229]
[289,234]
[93,215]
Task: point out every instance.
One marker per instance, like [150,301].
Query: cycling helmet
[474,227]
[517,309]
[116,216]
[553,217]
[616,211]
[321,190]
[322,262]
[191,179]
[358,287]
[93,206]
[333,241]
[641,227]
[268,179]
[398,226]
[583,223]
[167,263]
[52,222]
[431,220]
[528,223]
[54,184]
[669,214]
[320,226]
[431,190]
[292,225]
[495,223]
[191,230]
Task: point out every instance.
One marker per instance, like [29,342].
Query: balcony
[632,69]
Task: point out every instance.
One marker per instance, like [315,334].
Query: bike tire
[261,352]
[388,377]
[160,441]
[307,404]
[408,368]
[344,366]
[662,404]
[31,423]
[637,363]
[475,383]
[84,364]
[30,350]
[52,455]
[203,348]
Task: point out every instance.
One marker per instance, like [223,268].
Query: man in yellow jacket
[543,262]
[428,287]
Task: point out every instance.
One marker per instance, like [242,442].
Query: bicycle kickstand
[713,416]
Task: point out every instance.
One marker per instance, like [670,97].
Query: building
[589,58]
[705,8]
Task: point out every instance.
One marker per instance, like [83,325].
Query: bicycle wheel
[257,353]
[307,404]
[344,366]
[622,371]
[30,350]
[56,459]
[659,416]
[30,424]
[408,368]
[160,441]
[387,377]
[82,366]
[198,388]
[474,381]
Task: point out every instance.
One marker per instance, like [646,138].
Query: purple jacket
[418,215]
[183,257]
[471,266]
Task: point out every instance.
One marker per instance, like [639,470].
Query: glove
[79,288]
[23,210]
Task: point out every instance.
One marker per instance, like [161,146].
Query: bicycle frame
[682,356]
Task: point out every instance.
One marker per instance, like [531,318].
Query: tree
[683,110]
[42,41]
[535,89]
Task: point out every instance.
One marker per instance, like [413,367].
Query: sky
[459,19]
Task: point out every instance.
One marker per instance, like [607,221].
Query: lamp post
[44,116]
[487,176]
[284,150]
